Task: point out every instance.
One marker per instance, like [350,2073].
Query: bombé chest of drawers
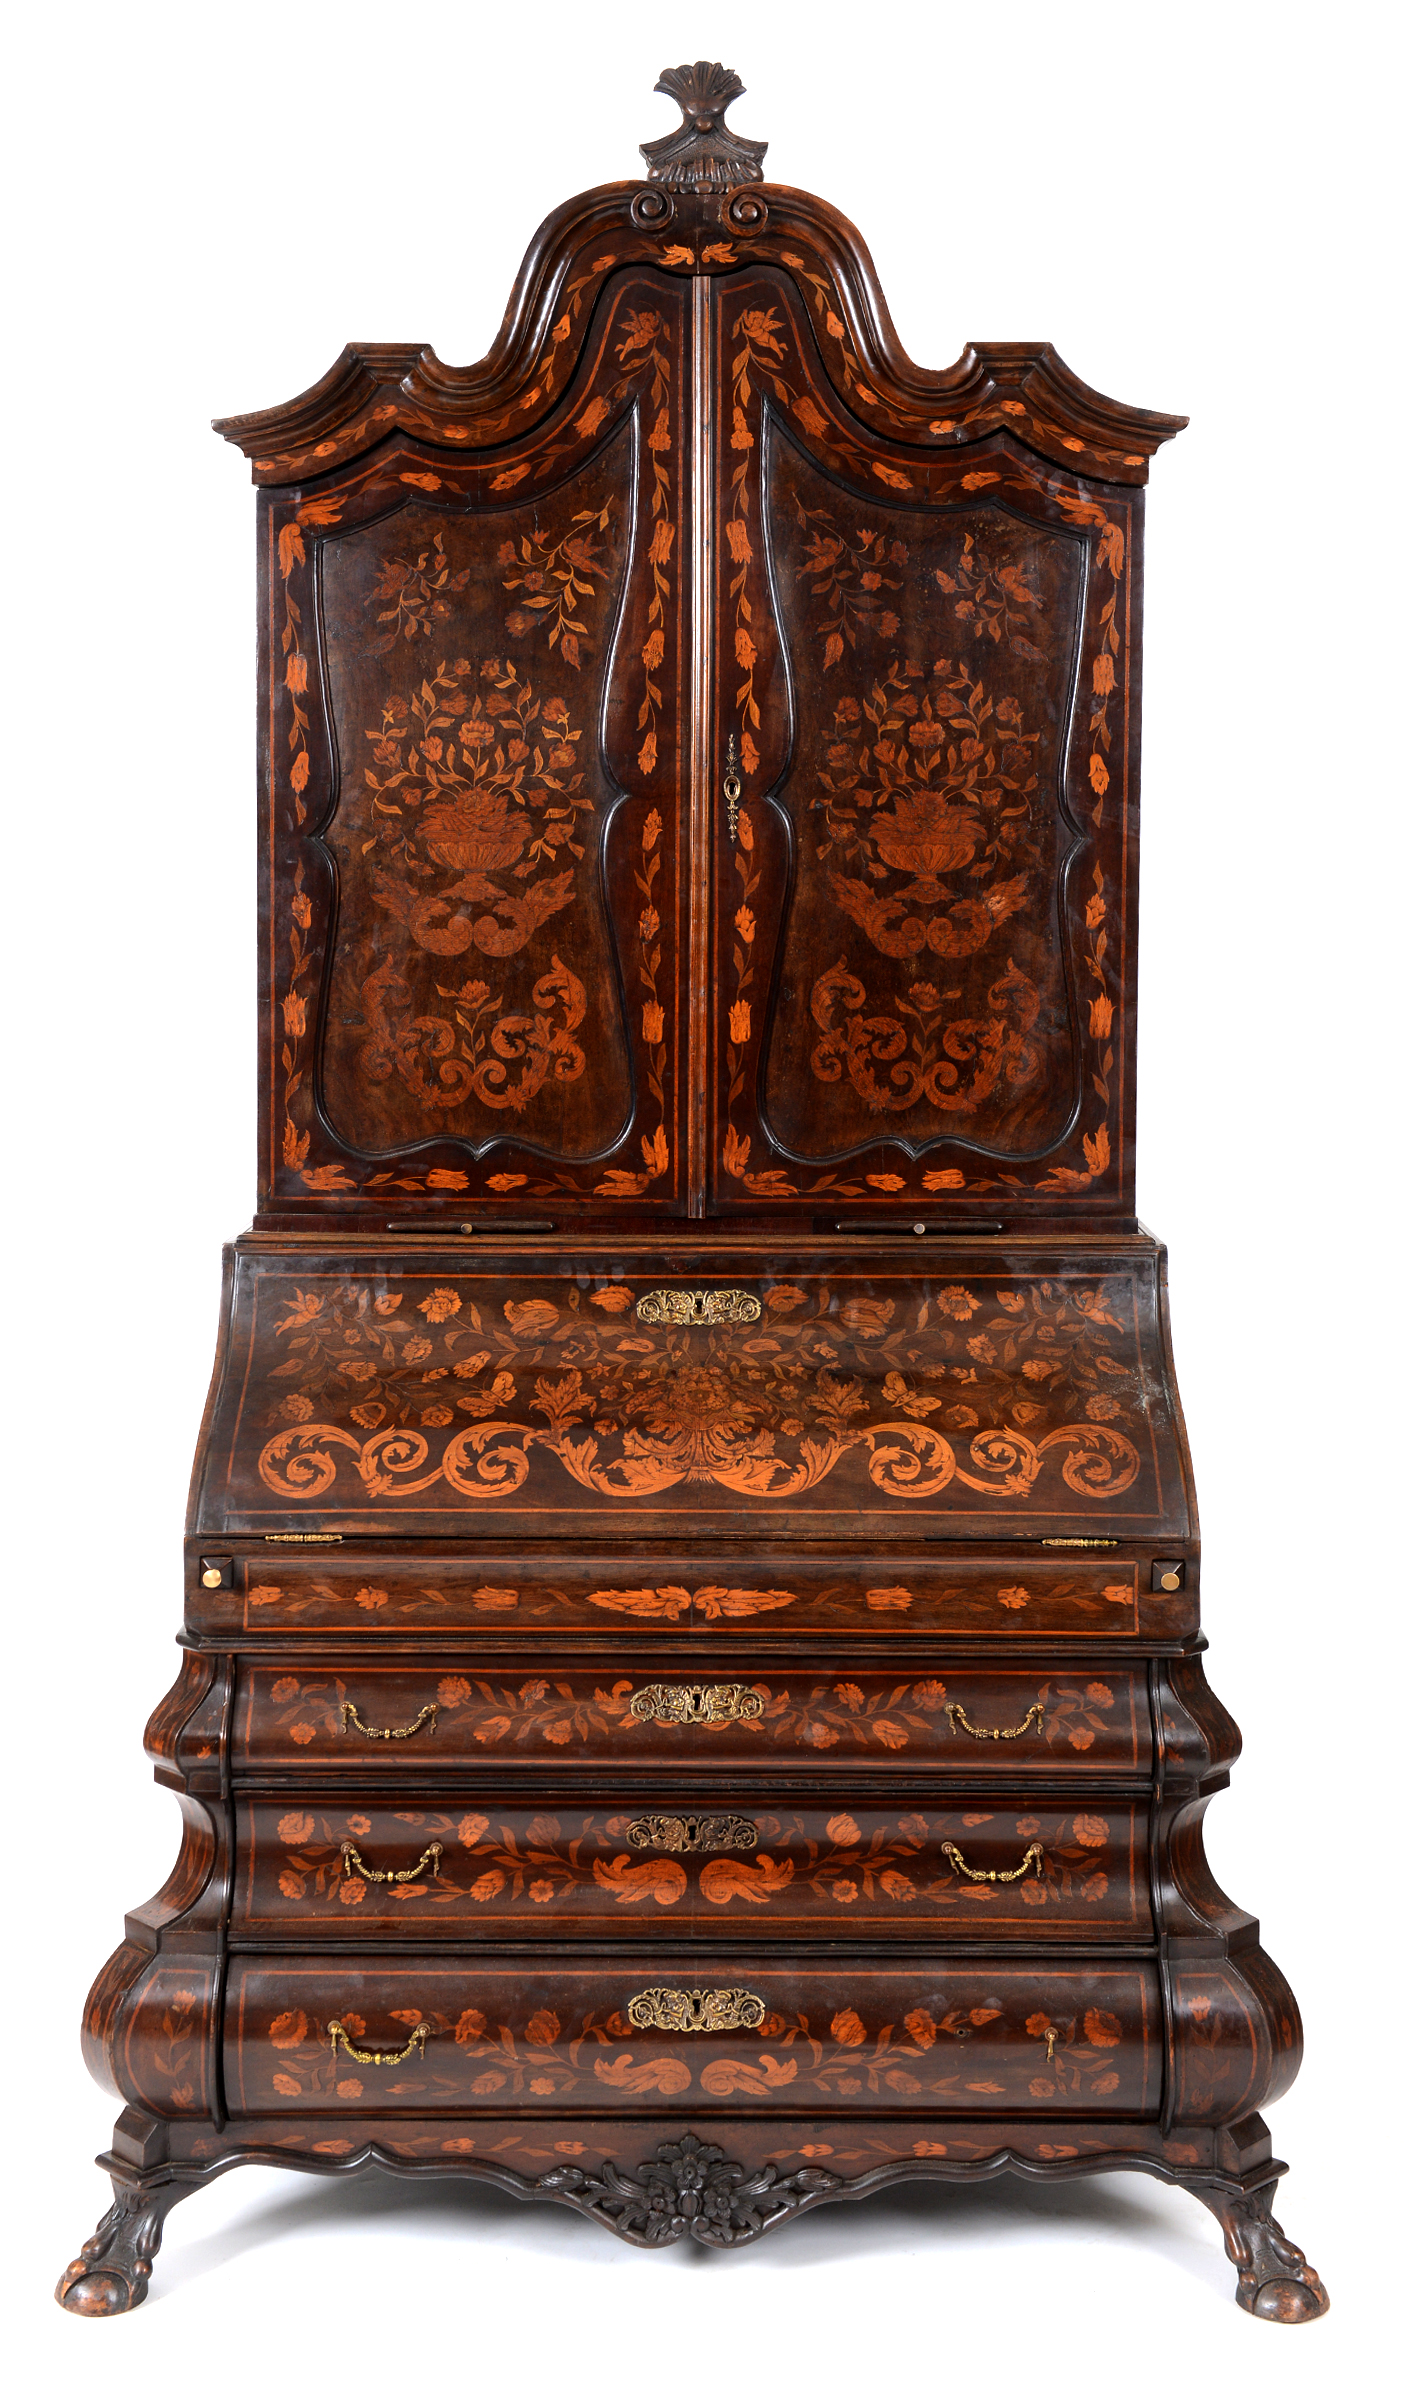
[691,1701]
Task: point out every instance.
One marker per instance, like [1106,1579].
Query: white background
[206,204]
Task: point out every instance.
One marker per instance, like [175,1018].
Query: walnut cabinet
[691,1700]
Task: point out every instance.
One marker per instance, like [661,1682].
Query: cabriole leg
[112,2270]
[1274,2279]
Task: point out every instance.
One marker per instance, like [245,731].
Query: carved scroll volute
[703,155]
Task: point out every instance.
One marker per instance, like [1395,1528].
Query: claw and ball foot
[1274,2280]
[112,2270]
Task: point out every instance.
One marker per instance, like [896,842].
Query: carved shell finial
[703,155]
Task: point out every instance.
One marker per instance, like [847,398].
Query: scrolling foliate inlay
[906,1390]
[469,822]
[922,792]
[471,673]
[949,967]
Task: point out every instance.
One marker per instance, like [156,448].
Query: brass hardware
[695,1703]
[696,2011]
[387,1733]
[212,1578]
[994,1733]
[1050,2038]
[1076,1541]
[354,1864]
[1033,1857]
[435,1233]
[698,1308]
[693,1833]
[944,1233]
[304,1537]
[376,2058]
[731,788]
[1167,1574]
[1169,1583]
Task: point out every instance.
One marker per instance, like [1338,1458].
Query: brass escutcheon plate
[671,2011]
[698,1308]
[693,1833]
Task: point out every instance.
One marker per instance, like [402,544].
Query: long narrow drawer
[321,1870]
[1008,1722]
[893,1594]
[326,2035]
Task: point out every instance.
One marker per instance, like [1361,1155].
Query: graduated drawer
[1009,1721]
[958,2036]
[1011,1873]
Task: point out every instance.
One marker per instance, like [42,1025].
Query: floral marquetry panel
[602,1595]
[922,924]
[478,833]
[1065,1725]
[330,1873]
[469,839]
[425,1398]
[840,2037]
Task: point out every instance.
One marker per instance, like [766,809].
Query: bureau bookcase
[691,1701]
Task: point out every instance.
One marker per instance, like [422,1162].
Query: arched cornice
[690,223]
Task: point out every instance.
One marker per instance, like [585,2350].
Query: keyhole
[731,788]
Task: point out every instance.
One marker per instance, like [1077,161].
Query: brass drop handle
[354,1864]
[994,1733]
[376,2058]
[670,2011]
[695,1704]
[388,1733]
[731,788]
[1033,1857]
[693,1833]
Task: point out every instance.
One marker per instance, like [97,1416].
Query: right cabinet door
[920,688]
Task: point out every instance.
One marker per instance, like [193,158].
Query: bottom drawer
[961,2035]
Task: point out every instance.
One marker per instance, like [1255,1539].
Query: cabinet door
[920,913]
[477,834]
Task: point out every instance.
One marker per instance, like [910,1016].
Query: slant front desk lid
[1021,1390]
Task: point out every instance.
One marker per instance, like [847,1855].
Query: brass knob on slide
[212,1579]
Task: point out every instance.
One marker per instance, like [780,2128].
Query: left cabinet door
[475,842]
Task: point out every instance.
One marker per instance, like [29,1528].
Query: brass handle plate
[695,1703]
[354,1864]
[698,1308]
[388,1733]
[1033,1857]
[693,1833]
[994,1733]
[376,2058]
[669,2011]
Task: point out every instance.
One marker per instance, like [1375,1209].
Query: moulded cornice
[1023,389]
